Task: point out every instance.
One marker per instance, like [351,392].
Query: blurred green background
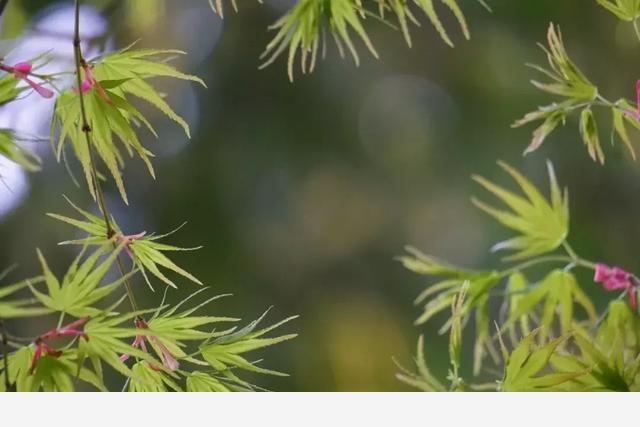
[303,193]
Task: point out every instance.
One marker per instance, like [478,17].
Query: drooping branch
[81,64]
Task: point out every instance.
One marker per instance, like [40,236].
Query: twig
[5,355]
[80,64]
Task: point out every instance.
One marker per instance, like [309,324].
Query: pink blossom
[167,358]
[128,240]
[42,348]
[21,71]
[90,82]
[615,278]
[23,67]
[86,85]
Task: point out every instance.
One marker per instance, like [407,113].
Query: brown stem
[86,129]
[5,355]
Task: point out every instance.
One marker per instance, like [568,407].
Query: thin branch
[81,64]
[5,355]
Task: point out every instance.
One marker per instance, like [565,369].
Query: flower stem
[86,129]
[575,258]
[536,261]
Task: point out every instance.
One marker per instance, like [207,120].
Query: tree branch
[5,354]
[80,64]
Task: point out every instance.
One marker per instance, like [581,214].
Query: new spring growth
[22,71]
[128,240]
[90,82]
[167,358]
[615,278]
[42,348]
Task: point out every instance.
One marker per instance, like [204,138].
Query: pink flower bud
[86,85]
[42,348]
[23,67]
[167,358]
[602,272]
[616,278]
[22,70]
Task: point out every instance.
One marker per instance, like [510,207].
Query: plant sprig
[578,96]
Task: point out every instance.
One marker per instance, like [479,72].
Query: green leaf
[224,353]
[148,256]
[52,374]
[171,331]
[517,288]
[444,294]
[568,82]
[543,225]
[306,26]
[627,10]
[199,382]
[551,121]
[428,8]
[9,90]
[484,342]
[11,149]
[620,130]
[216,6]
[612,357]
[302,28]
[420,263]
[111,115]
[455,337]
[146,252]
[607,375]
[145,379]
[106,342]
[423,379]
[402,10]
[589,133]
[20,308]
[81,287]
[557,295]
[134,68]
[525,367]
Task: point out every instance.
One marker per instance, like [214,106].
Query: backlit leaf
[542,224]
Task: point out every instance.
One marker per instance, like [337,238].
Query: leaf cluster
[539,316]
[176,349]
[144,250]
[112,116]
[578,95]
[306,27]
[627,10]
